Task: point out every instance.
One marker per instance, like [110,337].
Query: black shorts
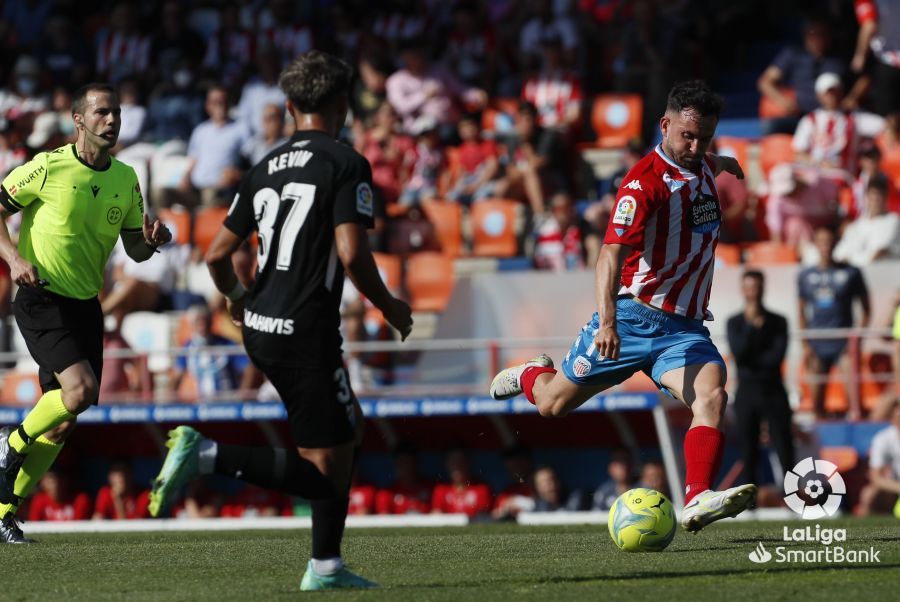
[316,393]
[59,332]
[885,89]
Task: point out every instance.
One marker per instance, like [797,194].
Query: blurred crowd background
[495,129]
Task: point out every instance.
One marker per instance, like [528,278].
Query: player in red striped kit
[654,276]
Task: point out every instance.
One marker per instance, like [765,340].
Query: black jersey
[294,198]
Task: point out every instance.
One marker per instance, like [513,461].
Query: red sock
[529,375]
[702,445]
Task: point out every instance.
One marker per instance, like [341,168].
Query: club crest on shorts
[582,366]
[625,208]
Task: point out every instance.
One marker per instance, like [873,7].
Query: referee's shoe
[10,463]
[11,532]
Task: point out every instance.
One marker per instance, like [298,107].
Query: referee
[75,202]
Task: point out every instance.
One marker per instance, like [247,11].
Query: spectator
[22,95]
[477,163]
[385,147]
[882,491]
[559,244]
[424,90]
[653,476]
[120,499]
[26,18]
[758,340]
[122,50]
[518,496]
[260,91]
[174,46]
[229,50]
[121,375]
[63,56]
[461,494]
[174,108]
[471,51]
[252,502]
[534,161]
[790,80]
[57,502]
[620,480]
[409,493]
[134,114]
[800,200]
[54,127]
[362,498]
[282,31]
[555,91]
[827,293]
[551,496]
[878,30]
[873,236]
[411,233]
[869,167]
[11,154]
[541,25]
[214,372]
[369,93]
[829,136]
[424,165]
[272,135]
[214,150]
[199,501]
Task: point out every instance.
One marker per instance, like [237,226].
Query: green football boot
[180,467]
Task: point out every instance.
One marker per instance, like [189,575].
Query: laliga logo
[809,473]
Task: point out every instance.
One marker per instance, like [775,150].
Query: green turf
[471,564]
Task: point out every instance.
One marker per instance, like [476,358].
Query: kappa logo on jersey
[582,366]
[364,199]
[625,209]
[705,213]
[633,185]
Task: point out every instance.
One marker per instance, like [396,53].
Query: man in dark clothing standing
[758,339]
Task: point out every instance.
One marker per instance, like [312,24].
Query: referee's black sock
[274,468]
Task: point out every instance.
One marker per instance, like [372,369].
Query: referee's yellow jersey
[72,215]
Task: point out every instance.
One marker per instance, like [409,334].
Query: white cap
[826,82]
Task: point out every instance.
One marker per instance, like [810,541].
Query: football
[642,520]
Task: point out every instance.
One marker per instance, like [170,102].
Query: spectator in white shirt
[134,114]
[875,234]
[260,91]
[881,493]
[829,136]
[272,135]
[214,150]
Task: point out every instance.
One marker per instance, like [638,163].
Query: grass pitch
[477,564]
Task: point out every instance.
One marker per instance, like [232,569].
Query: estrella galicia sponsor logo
[760,554]
[704,213]
[114,215]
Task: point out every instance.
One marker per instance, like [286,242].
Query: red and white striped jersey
[832,137]
[556,96]
[670,217]
[885,14]
[121,54]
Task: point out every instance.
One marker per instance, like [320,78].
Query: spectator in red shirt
[362,498]
[385,146]
[253,501]
[461,495]
[56,501]
[558,244]
[555,91]
[120,499]
[477,163]
[409,494]
[517,496]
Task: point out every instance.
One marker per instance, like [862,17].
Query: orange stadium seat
[844,457]
[775,149]
[617,118]
[447,220]
[890,165]
[494,228]
[429,280]
[20,389]
[836,398]
[731,146]
[770,253]
[769,109]
[206,224]
[178,221]
[390,269]
[728,254]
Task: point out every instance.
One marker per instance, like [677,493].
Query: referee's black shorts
[315,391]
[59,332]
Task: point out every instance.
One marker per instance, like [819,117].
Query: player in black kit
[311,202]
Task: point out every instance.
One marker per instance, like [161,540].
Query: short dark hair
[314,79]
[756,274]
[80,96]
[879,183]
[694,95]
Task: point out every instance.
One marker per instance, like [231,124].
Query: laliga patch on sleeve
[625,209]
[364,202]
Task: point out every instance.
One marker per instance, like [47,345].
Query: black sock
[274,468]
[328,518]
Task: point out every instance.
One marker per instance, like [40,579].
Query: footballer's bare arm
[221,268]
[608,277]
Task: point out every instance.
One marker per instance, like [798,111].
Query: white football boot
[709,506]
[508,383]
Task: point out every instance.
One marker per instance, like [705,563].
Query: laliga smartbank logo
[814,489]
